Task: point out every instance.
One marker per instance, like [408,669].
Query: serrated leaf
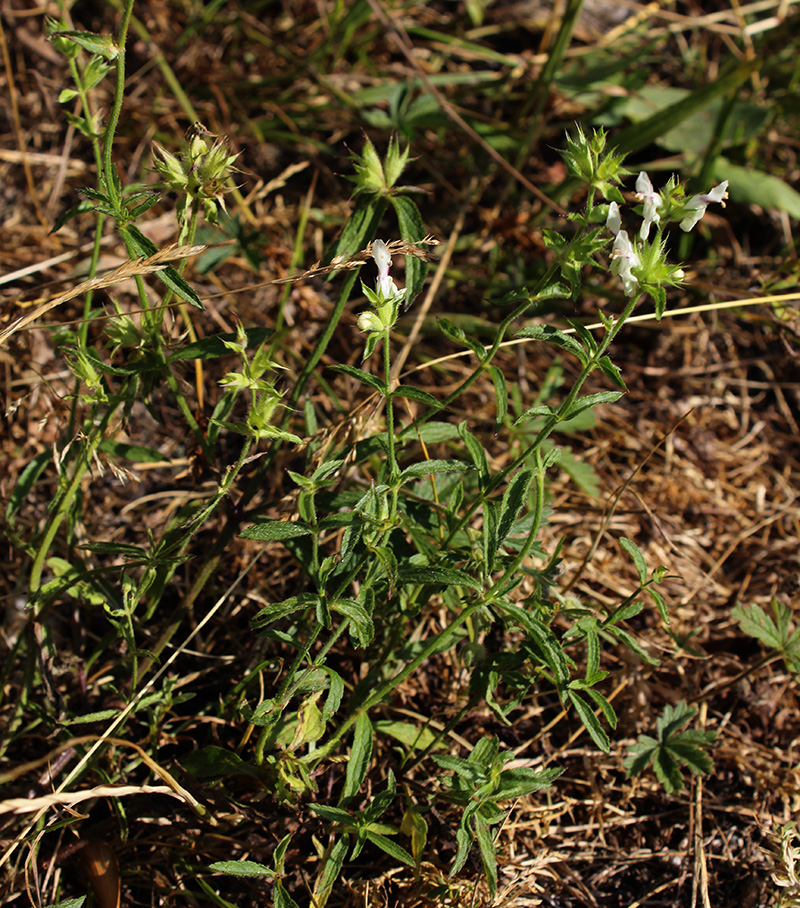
[672,749]
[755,622]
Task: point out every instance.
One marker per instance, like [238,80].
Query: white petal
[380,253]
[643,184]
[614,220]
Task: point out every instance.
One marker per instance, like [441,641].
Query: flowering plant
[641,264]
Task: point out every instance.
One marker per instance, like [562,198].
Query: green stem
[116,108]
[390,439]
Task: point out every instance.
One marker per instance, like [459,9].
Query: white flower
[697,204]
[623,258]
[385,287]
[614,221]
[652,202]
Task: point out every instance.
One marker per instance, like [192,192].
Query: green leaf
[217,762]
[359,229]
[516,783]
[416,394]
[332,814]
[672,749]
[661,605]
[754,187]
[485,841]
[80,208]
[361,376]
[361,628]
[514,499]
[590,721]
[102,45]
[500,395]
[434,467]
[612,372]
[437,576]
[543,638]
[243,869]
[168,275]
[137,453]
[411,229]
[638,558]
[391,848]
[490,545]
[26,482]
[70,903]
[271,613]
[476,452]
[553,335]
[100,716]
[332,862]
[590,401]
[755,622]
[281,898]
[411,736]
[276,530]
[460,337]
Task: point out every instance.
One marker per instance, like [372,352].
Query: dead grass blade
[133,268]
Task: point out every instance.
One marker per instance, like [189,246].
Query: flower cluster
[201,173]
[641,265]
